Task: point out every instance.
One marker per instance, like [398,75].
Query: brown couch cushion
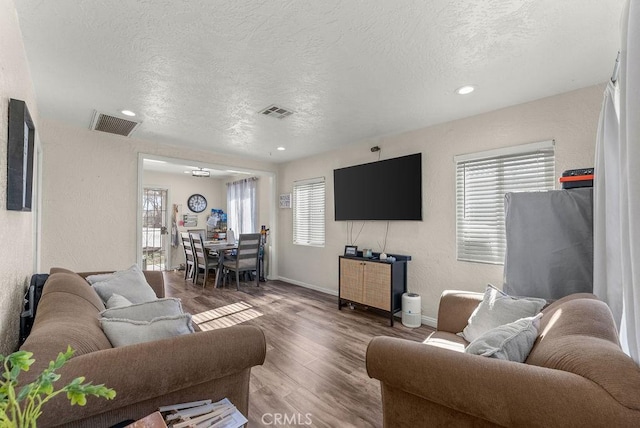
[69,315]
[578,335]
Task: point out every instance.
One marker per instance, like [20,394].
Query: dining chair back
[246,258]
[188,255]
[203,260]
[201,232]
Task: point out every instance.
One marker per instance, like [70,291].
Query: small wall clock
[197,203]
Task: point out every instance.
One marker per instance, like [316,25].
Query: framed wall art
[285,200]
[350,250]
[20,146]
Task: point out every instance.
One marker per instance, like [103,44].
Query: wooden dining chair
[201,232]
[188,255]
[246,259]
[203,260]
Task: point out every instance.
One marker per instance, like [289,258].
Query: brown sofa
[575,376]
[212,364]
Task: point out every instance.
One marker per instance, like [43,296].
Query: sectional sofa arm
[455,309]
[501,392]
[153,369]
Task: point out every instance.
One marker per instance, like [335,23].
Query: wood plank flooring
[315,365]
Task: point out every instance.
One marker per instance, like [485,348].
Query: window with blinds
[482,179]
[308,212]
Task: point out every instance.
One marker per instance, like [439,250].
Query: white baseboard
[431,322]
[310,286]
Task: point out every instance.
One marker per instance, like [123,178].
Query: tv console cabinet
[373,283]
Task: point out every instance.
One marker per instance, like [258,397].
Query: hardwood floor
[314,371]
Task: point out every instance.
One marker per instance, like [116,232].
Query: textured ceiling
[197,72]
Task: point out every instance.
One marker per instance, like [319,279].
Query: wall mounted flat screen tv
[389,189]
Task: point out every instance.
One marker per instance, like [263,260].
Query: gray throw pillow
[123,332]
[511,341]
[116,301]
[92,279]
[130,283]
[498,308]
[146,311]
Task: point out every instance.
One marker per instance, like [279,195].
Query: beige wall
[90,194]
[570,119]
[16,228]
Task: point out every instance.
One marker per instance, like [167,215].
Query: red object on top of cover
[576,178]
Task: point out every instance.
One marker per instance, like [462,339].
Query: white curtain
[242,206]
[617,191]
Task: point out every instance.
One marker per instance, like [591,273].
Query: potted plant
[20,406]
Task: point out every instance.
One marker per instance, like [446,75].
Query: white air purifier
[411,310]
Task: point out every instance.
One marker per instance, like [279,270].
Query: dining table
[221,247]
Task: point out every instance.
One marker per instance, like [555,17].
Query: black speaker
[31,300]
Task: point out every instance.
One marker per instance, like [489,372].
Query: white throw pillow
[123,332]
[498,308]
[511,341]
[116,301]
[146,311]
[130,283]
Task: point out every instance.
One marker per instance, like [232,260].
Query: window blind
[481,183]
[308,212]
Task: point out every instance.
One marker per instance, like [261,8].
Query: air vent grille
[276,111]
[112,124]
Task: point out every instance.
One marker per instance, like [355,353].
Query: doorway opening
[165,173]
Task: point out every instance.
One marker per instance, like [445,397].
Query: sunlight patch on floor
[226,316]
[220,312]
[229,320]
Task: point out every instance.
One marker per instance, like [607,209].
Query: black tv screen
[390,189]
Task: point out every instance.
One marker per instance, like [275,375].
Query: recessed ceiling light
[466,89]
[155,161]
[281,148]
[128,113]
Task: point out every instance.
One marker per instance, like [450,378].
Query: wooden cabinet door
[377,285]
[351,280]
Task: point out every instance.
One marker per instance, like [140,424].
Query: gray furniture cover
[549,243]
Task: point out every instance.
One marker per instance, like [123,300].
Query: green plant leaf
[75,390]
[24,392]
[33,395]
[100,391]
[77,397]
[21,359]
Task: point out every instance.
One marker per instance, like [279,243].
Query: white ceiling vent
[277,112]
[112,124]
